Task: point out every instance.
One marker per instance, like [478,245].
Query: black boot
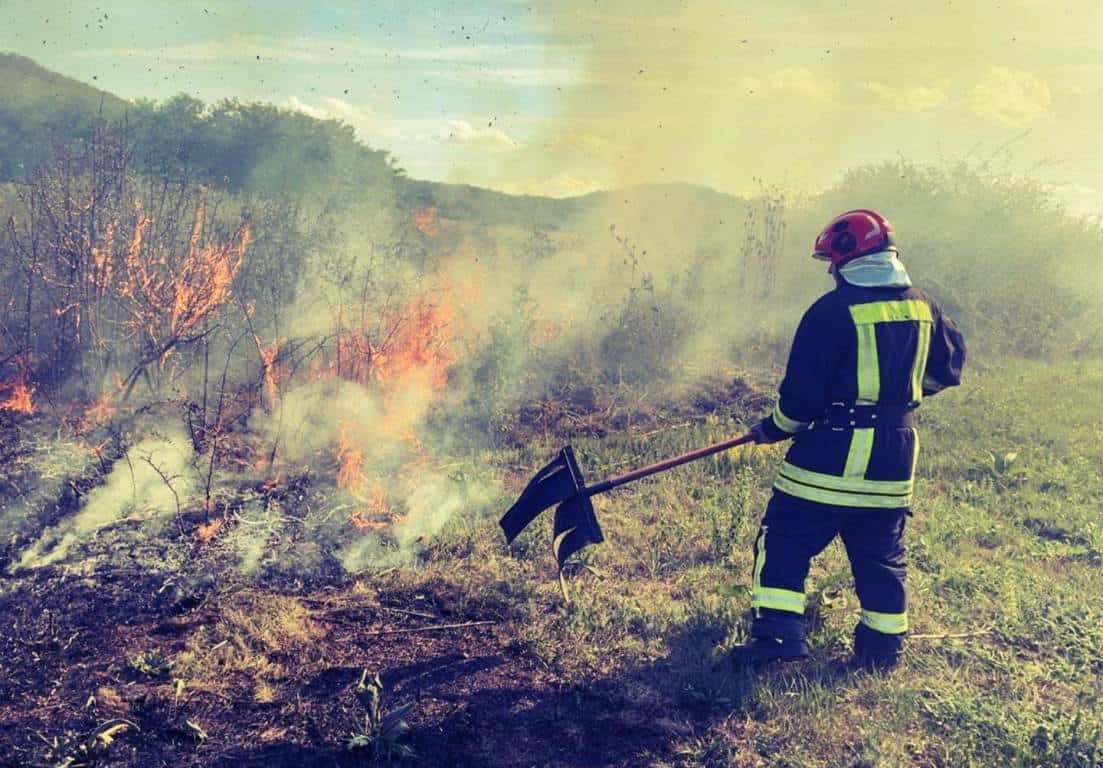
[876,651]
[775,636]
[762,650]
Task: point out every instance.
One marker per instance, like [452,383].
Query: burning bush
[112,283]
[18,398]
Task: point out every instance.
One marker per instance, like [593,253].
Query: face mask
[876,270]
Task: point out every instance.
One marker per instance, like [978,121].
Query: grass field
[1006,548]
[1006,574]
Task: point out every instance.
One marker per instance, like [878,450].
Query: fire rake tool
[561,482]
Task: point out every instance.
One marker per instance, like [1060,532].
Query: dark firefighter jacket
[865,346]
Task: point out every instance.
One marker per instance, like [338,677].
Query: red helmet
[853,234]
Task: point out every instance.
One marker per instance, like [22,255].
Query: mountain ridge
[25,81]
[33,99]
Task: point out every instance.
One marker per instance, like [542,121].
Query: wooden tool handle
[662,466]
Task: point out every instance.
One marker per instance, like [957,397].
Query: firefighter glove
[763,434]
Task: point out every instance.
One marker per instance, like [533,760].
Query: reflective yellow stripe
[841,498]
[887,623]
[866,317]
[915,449]
[771,597]
[760,560]
[919,368]
[891,311]
[869,368]
[857,460]
[854,484]
[777,599]
[784,423]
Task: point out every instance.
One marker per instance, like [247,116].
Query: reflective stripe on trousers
[771,597]
[886,623]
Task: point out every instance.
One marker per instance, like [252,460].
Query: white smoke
[427,508]
[151,480]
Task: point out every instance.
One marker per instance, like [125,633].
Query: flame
[349,460]
[419,349]
[103,409]
[426,222]
[375,514]
[268,356]
[99,412]
[205,533]
[543,332]
[19,399]
[371,494]
[273,483]
[407,368]
[203,284]
[171,297]
[354,361]
[102,263]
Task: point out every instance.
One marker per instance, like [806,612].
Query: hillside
[490,207]
[252,147]
[28,88]
[37,106]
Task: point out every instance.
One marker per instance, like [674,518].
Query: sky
[564,97]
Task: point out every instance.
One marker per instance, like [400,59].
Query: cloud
[561,185]
[1011,97]
[301,106]
[508,74]
[488,138]
[245,48]
[799,82]
[363,120]
[919,98]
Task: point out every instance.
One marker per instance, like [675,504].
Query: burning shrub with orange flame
[170,296]
[109,283]
[19,395]
[426,221]
[404,372]
[16,395]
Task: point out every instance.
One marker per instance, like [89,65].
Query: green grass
[1009,549]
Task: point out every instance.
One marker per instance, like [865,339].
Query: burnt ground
[145,647]
[83,655]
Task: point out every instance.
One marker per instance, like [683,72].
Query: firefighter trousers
[793,531]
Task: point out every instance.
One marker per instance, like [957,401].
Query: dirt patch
[241,675]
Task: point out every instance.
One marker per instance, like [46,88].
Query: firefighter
[864,356]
